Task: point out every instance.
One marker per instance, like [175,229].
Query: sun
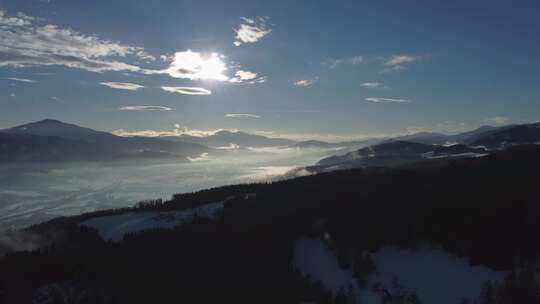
[213,68]
[198,66]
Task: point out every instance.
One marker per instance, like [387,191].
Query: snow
[433,155]
[312,257]
[114,227]
[435,275]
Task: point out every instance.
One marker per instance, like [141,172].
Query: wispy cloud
[20,79]
[333,63]
[400,59]
[24,43]
[187,90]
[241,115]
[372,84]
[122,85]
[497,120]
[305,82]
[144,108]
[399,62]
[356,60]
[387,100]
[251,30]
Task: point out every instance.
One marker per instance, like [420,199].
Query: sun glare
[197,66]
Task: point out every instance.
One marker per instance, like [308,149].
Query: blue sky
[304,69]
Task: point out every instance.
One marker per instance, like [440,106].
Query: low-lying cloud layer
[177,131]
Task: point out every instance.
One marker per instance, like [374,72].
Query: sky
[323,69]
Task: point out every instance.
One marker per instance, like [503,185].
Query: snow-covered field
[114,227]
[436,276]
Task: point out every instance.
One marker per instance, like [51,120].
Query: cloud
[245,75]
[21,79]
[356,60]
[195,66]
[144,108]
[204,66]
[387,100]
[497,120]
[317,136]
[122,85]
[187,90]
[333,63]
[25,43]
[373,84]
[177,131]
[242,76]
[251,30]
[305,82]
[229,147]
[399,62]
[19,20]
[241,115]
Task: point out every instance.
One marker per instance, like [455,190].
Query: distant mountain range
[53,140]
[398,153]
[440,139]
[426,147]
[226,138]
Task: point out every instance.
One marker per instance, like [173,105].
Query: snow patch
[435,275]
[432,273]
[114,227]
[312,257]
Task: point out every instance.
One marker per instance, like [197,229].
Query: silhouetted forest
[485,209]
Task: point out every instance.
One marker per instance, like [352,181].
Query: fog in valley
[32,193]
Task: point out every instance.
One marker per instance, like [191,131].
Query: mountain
[397,153]
[441,139]
[483,210]
[52,127]
[345,145]
[422,137]
[226,138]
[53,140]
[316,144]
[509,136]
